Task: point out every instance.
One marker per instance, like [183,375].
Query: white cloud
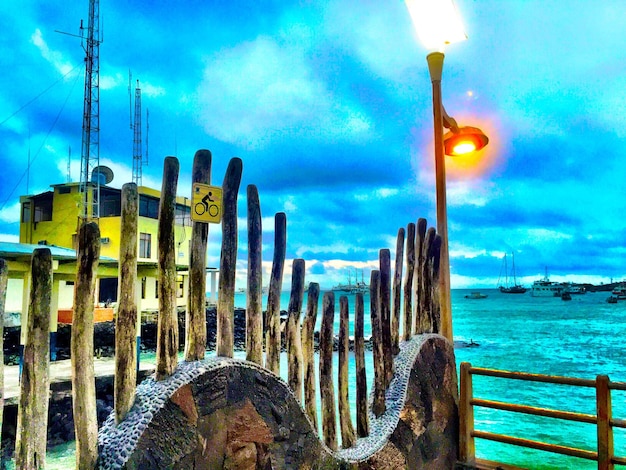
[263,89]
[10,214]
[54,57]
[7,237]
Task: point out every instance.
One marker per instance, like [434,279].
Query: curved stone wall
[233,414]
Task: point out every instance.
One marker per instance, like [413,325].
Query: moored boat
[547,288]
[476,295]
[506,287]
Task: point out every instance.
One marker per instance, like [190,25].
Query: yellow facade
[53,217]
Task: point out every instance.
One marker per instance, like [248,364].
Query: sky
[329,106]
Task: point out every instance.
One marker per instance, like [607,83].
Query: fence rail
[602,419]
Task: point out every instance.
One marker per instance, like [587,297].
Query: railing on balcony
[603,419]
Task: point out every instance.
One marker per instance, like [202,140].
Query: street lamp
[438,24]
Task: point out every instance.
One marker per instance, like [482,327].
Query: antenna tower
[135,126]
[90,153]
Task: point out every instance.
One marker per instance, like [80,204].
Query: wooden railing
[603,418]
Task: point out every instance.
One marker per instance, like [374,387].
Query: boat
[476,295]
[566,296]
[353,288]
[619,292]
[509,288]
[574,289]
[612,299]
[547,288]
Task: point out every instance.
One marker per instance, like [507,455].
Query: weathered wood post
[195,331]
[126,320]
[420,235]
[362,416]
[397,293]
[167,327]
[345,420]
[385,312]
[292,337]
[327,387]
[434,256]
[228,260]
[467,447]
[83,374]
[272,343]
[32,415]
[254,302]
[424,322]
[378,405]
[408,282]
[604,430]
[4,279]
[308,352]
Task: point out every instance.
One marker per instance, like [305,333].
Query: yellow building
[53,218]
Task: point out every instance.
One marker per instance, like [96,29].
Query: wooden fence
[420,314]
[603,418]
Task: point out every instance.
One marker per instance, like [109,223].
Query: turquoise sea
[579,338]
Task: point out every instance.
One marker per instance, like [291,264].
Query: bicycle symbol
[203,206]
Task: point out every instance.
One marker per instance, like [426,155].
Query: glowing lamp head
[437,22]
[465,140]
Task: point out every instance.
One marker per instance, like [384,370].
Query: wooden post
[254,301]
[126,320]
[378,406]
[408,282]
[434,255]
[228,260]
[167,327]
[605,431]
[83,374]
[385,312]
[362,416]
[424,317]
[292,337]
[467,448]
[4,279]
[345,421]
[308,352]
[420,235]
[195,328]
[327,388]
[32,417]
[397,293]
[272,343]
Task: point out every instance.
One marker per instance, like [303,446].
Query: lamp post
[438,24]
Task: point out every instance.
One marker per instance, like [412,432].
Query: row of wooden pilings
[417,311]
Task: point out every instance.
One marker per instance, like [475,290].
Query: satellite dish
[102,174]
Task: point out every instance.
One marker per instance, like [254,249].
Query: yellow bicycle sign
[206,203]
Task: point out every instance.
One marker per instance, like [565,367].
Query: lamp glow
[464,140]
[437,22]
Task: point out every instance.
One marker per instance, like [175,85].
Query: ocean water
[579,338]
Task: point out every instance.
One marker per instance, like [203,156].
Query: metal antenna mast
[90,154]
[135,126]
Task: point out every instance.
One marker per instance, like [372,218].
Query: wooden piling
[418,282]
[378,405]
[308,352]
[195,330]
[434,255]
[83,373]
[292,337]
[408,282]
[167,328]
[424,317]
[272,343]
[228,260]
[254,305]
[4,279]
[362,415]
[32,417]
[327,387]
[126,320]
[397,293]
[385,312]
[345,421]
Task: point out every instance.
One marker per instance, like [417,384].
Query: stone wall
[232,414]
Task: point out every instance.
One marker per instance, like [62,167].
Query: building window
[156,289]
[148,206]
[110,203]
[183,215]
[26,212]
[64,189]
[180,284]
[43,209]
[145,245]
[143,287]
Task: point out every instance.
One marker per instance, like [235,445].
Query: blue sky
[328,104]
